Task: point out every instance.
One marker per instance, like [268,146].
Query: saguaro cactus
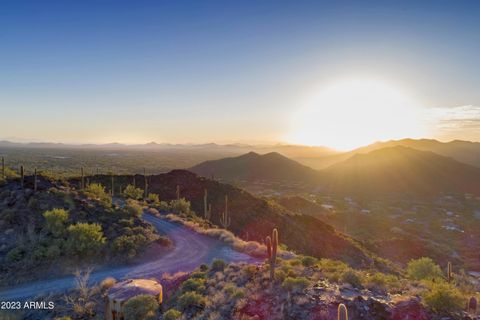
[342,312]
[146,183]
[82,179]
[272,244]
[112,186]
[472,306]
[449,272]
[178,192]
[3,168]
[225,219]
[35,180]
[22,175]
[133,183]
[207,208]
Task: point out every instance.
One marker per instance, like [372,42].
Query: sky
[333,73]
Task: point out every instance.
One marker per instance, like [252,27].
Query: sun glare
[351,113]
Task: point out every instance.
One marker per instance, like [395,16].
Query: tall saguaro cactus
[472,305]
[82,179]
[207,208]
[178,192]
[225,218]
[3,168]
[146,183]
[35,180]
[449,272]
[342,312]
[112,190]
[22,175]
[272,245]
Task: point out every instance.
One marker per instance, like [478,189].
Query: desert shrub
[352,277]
[295,284]
[84,239]
[143,307]
[218,265]
[180,206]
[234,292]
[10,216]
[133,208]
[197,285]
[107,283]
[16,254]
[172,314]
[190,300]
[52,252]
[129,245]
[203,267]
[443,298]
[55,221]
[381,282]
[308,261]
[280,275]
[132,192]
[97,192]
[423,268]
[198,275]
[153,198]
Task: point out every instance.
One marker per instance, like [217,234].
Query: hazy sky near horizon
[249,71]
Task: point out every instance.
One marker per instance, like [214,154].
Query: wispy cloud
[461,122]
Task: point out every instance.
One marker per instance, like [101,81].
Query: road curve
[190,250]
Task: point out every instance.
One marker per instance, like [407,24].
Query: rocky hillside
[253,218]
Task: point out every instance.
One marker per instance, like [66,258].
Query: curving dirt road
[190,250]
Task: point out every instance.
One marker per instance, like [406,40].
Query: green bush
[133,208]
[382,282]
[132,192]
[172,314]
[16,254]
[197,285]
[190,300]
[295,284]
[352,277]
[180,206]
[217,265]
[55,221]
[308,261]
[97,192]
[153,198]
[423,268]
[129,245]
[84,239]
[143,307]
[443,298]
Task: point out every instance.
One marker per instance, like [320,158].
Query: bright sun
[355,112]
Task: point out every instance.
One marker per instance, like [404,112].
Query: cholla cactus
[342,312]
[225,219]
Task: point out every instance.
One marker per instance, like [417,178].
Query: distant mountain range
[463,151]
[388,170]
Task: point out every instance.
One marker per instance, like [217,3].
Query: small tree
[143,307]
[132,192]
[55,221]
[85,239]
[423,268]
